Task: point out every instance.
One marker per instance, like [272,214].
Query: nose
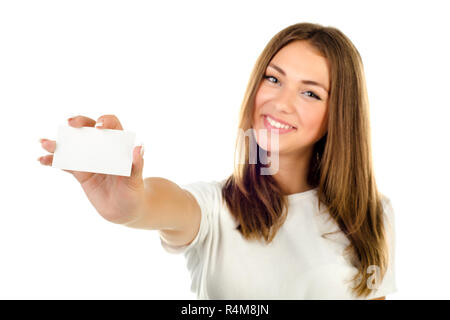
[285,101]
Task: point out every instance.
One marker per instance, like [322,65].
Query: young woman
[317,227]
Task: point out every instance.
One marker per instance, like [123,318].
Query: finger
[138,165]
[81,121]
[81,176]
[46,160]
[109,121]
[48,145]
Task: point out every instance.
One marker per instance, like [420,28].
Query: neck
[293,172]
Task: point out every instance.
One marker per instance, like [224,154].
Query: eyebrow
[311,82]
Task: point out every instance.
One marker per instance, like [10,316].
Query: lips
[280,121]
[274,129]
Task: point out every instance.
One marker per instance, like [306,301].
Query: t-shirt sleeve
[388,284]
[206,194]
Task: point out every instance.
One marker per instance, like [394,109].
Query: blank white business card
[96,150]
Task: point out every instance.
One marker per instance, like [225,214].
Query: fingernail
[40,140]
[39,159]
[99,124]
[142,150]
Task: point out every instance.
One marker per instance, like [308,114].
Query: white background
[175,73]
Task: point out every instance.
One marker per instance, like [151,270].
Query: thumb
[138,163]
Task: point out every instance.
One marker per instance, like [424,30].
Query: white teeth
[277,124]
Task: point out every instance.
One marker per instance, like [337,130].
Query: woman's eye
[267,77]
[313,95]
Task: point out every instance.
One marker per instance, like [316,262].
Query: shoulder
[207,189]
[388,209]
[205,184]
[207,193]
[207,196]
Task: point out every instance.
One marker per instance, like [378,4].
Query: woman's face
[287,95]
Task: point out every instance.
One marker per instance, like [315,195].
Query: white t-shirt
[297,264]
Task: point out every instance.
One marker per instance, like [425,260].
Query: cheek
[258,102]
[315,121]
[263,94]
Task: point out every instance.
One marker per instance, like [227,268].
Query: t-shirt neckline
[301,195]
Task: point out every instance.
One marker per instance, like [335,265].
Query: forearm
[142,218]
[164,206]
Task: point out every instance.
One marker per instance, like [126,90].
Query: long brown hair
[341,164]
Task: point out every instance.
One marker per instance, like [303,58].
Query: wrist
[134,219]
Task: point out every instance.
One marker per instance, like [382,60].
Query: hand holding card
[103,161]
[88,149]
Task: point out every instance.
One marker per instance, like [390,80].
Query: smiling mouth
[278,122]
[270,126]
